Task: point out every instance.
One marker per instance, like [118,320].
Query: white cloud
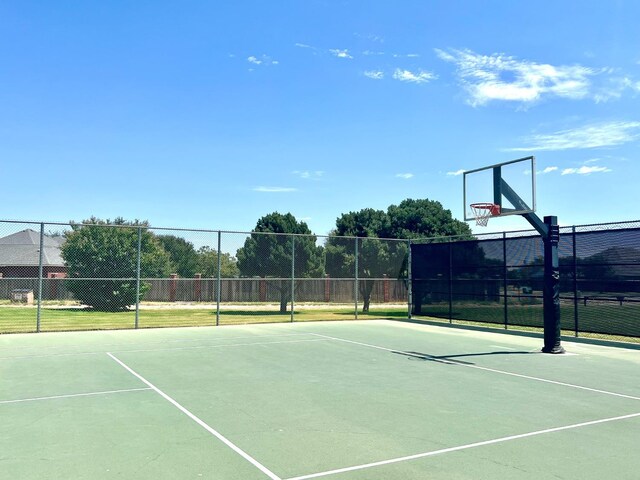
[406,176]
[615,88]
[407,55]
[340,53]
[275,189]
[500,77]
[456,173]
[585,170]
[548,170]
[374,74]
[408,76]
[589,136]
[308,174]
[372,53]
[263,60]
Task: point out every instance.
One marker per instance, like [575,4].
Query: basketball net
[483,212]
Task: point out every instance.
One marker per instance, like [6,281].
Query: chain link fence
[56,277]
[497,278]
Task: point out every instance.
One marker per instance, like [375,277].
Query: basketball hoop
[484,211]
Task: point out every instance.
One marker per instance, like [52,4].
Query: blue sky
[212,114]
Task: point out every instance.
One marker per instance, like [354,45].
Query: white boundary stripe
[501,372]
[463,447]
[170,348]
[200,422]
[72,395]
[502,347]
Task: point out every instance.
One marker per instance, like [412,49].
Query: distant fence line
[493,278]
[232,290]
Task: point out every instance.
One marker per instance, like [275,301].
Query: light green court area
[336,400]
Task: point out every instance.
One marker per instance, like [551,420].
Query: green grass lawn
[595,320]
[23,319]
[610,321]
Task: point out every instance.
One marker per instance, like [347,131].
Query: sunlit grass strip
[23,320]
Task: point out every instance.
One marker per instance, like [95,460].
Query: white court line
[71,395]
[486,369]
[200,422]
[171,348]
[463,447]
[502,347]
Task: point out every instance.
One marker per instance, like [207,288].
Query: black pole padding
[551,293]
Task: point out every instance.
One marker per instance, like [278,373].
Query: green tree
[102,262]
[208,263]
[375,257]
[182,254]
[410,219]
[424,218]
[267,253]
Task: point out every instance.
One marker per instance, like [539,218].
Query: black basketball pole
[550,232]
[551,293]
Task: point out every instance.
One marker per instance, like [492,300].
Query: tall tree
[270,253]
[423,218]
[375,257]
[101,257]
[208,263]
[182,254]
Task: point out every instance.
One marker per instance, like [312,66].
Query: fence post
[293,273]
[409,282]
[505,283]
[53,286]
[575,282]
[173,286]
[139,254]
[218,279]
[262,289]
[197,287]
[385,288]
[355,290]
[40,258]
[450,281]
[327,288]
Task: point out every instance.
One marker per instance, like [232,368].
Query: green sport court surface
[336,400]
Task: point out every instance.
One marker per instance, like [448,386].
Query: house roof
[23,249]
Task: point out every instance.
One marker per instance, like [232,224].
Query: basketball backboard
[510,185]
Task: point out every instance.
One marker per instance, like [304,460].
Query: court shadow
[452,359]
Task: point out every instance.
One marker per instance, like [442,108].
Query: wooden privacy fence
[329,290]
[235,290]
